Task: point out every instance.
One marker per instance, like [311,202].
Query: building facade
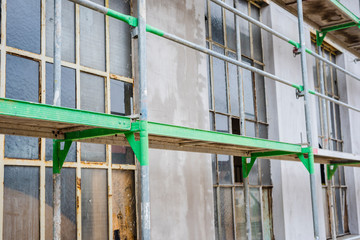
[193,195]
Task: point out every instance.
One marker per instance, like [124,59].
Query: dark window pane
[68,90]
[67,30]
[23,24]
[248,91]
[21,147]
[92,98]
[238,170]
[230,27]
[216,23]
[22,79]
[244,29]
[235,126]
[211,118]
[338,124]
[263,131]
[220,86]
[123,204]
[68,204]
[255,212]
[260,95]
[240,214]
[225,172]
[265,172]
[94,210]
[256,34]
[234,87]
[92,37]
[21,203]
[122,155]
[226,226]
[214,169]
[120,41]
[121,97]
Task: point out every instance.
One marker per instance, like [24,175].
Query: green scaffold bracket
[246,167]
[307,162]
[59,155]
[331,169]
[320,37]
[135,145]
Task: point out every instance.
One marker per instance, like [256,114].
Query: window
[335,142]
[331,90]
[98,181]
[225,117]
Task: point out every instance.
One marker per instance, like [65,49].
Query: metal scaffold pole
[308,119]
[144,142]
[242,125]
[57,102]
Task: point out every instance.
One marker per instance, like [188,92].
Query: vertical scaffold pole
[242,124]
[144,143]
[308,119]
[57,102]
[326,144]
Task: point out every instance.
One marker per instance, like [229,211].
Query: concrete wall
[181,183]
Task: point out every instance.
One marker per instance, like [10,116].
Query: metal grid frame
[41,163]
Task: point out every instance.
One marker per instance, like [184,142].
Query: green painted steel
[17,108]
[91,133]
[135,145]
[144,143]
[210,136]
[330,170]
[132,21]
[271,154]
[295,44]
[246,167]
[305,162]
[59,155]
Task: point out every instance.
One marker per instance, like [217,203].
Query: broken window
[225,111]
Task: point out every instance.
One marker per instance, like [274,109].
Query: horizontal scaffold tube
[133,22]
[281,36]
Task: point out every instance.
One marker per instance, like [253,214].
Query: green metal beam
[246,167]
[270,154]
[38,111]
[91,133]
[211,136]
[59,155]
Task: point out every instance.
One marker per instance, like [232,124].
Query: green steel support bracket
[271,153]
[135,145]
[91,133]
[59,155]
[308,162]
[246,167]
[320,37]
[331,169]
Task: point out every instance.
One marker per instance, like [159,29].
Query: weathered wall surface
[180,183]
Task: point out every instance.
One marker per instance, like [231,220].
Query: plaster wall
[180,183]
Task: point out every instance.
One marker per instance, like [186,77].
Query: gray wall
[180,183]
